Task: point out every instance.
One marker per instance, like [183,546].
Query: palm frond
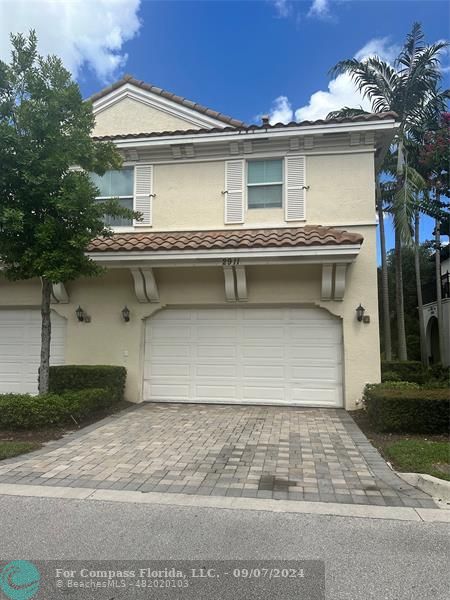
[346,111]
[412,45]
[406,201]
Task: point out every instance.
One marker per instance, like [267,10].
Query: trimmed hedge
[411,370]
[77,377]
[23,411]
[407,408]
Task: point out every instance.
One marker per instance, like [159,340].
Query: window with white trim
[265,183]
[120,186]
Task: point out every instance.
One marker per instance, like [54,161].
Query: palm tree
[409,88]
[347,111]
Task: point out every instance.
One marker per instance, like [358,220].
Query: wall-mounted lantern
[126,313]
[360,312]
[80,314]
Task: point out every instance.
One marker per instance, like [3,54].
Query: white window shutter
[234,195]
[295,188]
[143,193]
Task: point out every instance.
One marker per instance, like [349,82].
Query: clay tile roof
[170,96]
[225,239]
[239,127]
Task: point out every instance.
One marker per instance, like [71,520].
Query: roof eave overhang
[223,257]
[388,125]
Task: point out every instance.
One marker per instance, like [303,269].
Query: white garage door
[20,348]
[244,355]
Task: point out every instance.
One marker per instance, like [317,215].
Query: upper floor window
[119,185]
[265,184]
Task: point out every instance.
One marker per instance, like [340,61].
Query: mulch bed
[40,436]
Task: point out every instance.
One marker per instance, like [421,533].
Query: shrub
[440,374]
[400,385]
[391,376]
[23,411]
[407,408]
[77,377]
[411,370]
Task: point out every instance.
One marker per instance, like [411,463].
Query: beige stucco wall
[131,116]
[189,195]
[109,340]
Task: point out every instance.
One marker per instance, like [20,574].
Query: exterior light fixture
[80,314]
[126,313]
[360,312]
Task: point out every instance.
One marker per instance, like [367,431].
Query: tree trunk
[384,280]
[423,340]
[46,331]
[399,302]
[437,255]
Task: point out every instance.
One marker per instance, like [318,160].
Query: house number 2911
[228,262]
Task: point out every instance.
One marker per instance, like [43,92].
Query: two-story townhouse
[241,283]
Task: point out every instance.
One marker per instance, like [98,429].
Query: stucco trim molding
[240,256]
[128,90]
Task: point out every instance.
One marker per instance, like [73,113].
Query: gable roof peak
[148,87]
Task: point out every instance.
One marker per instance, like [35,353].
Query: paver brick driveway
[251,451]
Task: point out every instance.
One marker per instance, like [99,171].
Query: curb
[427,515]
[438,489]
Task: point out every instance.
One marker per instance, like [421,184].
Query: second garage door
[20,348]
[244,355]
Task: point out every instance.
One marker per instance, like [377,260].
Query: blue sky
[241,58]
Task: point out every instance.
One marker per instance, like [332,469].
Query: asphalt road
[364,558]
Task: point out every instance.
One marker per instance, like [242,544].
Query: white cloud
[82,32]
[283,8]
[320,9]
[341,90]
[380,47]
[281,111]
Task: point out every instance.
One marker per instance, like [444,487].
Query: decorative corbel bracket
[59,294]
[235,283]
[327,281]
[333,281]
[145,286]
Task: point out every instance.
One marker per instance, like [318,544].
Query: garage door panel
[315,396]
[244,355]
[219,351]
[264,371]
[215,314]
[169,391]
[263,332]
[215,370]
[163,332]
[216,392]
[265,394]
[313,352]
[164,351]
[219,330]
[329,373]
[167,370]
[251,352]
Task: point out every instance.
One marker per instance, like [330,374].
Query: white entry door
[290,356]
[20,348]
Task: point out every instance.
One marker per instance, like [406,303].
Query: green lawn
[10,449]
[420,456]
